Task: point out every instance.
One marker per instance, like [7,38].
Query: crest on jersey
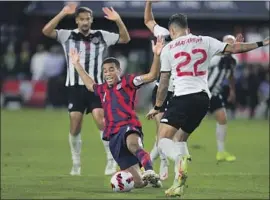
[119,86]
[95,40]
[70,105]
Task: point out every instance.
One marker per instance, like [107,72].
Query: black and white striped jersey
[92,50]
[221,67]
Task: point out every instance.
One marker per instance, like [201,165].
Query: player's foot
[111,167]
[152,178]
[179,185]
[225,156]
[163,169]
[76,170]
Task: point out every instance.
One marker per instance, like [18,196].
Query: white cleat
[163,169]
[111,167]
[152,178]
[76,170]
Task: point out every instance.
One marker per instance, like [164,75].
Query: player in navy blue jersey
[122,126]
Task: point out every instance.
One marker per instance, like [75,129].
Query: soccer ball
[122,181]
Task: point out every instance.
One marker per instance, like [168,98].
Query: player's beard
[85,29]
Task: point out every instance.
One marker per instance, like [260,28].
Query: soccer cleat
[225,156]
[76,170]
[179,185]
[111,167]
[163,169]
[152,178]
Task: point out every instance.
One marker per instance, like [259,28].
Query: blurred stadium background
[34,147]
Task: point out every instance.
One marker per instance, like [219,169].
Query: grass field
[35,160]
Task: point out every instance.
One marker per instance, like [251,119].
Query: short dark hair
[178,19]
[112,60]
[82,10]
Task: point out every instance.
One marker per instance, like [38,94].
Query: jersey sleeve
[215,46]
[134,81]
[160,31]
[62,35]
[165,61]
[110,38]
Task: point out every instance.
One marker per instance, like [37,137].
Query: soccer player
[92,44]
[122,126]
[157,30]
[221,68]
[187,58]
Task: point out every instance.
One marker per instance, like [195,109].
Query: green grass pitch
[36,161]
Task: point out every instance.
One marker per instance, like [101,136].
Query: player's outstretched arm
[245,47]
[155,67]
[87,80]
[112,15]
[149,20]
[49,28]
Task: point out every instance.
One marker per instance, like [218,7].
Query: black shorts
[80,99]
[166,102]
[187,111]
[216,102]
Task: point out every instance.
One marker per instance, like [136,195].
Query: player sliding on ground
[122,126]
[187,58]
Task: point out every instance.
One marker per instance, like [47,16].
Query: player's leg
[163,169]
[183,112]
[75,141]
[111,166]
[137,176]
[219,111]
[76,110]
[135,147]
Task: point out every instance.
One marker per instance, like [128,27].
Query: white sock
[168,148]
[154,152]
[221,133]
[182,148]
[106,147]
[75,143]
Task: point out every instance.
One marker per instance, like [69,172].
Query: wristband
[260,44]
[157,107]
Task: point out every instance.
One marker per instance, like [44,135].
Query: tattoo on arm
[162,88]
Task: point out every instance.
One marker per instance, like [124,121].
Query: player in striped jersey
[92,44]
[221,68]
[122,126]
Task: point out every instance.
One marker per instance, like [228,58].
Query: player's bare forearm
[162,88]
[123,32]
[87,80]
[245,47]
[149,20]
[49,28]
[154,71]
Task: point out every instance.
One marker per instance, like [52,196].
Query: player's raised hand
[74,55]
[266,41]
[239,38]
[111,14]
[152,114]
[157,48]
[70,8]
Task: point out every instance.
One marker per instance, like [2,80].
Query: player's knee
[133,143]
[75,123]
[165,131]
[221,116]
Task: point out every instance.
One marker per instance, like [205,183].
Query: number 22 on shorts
[195,71]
